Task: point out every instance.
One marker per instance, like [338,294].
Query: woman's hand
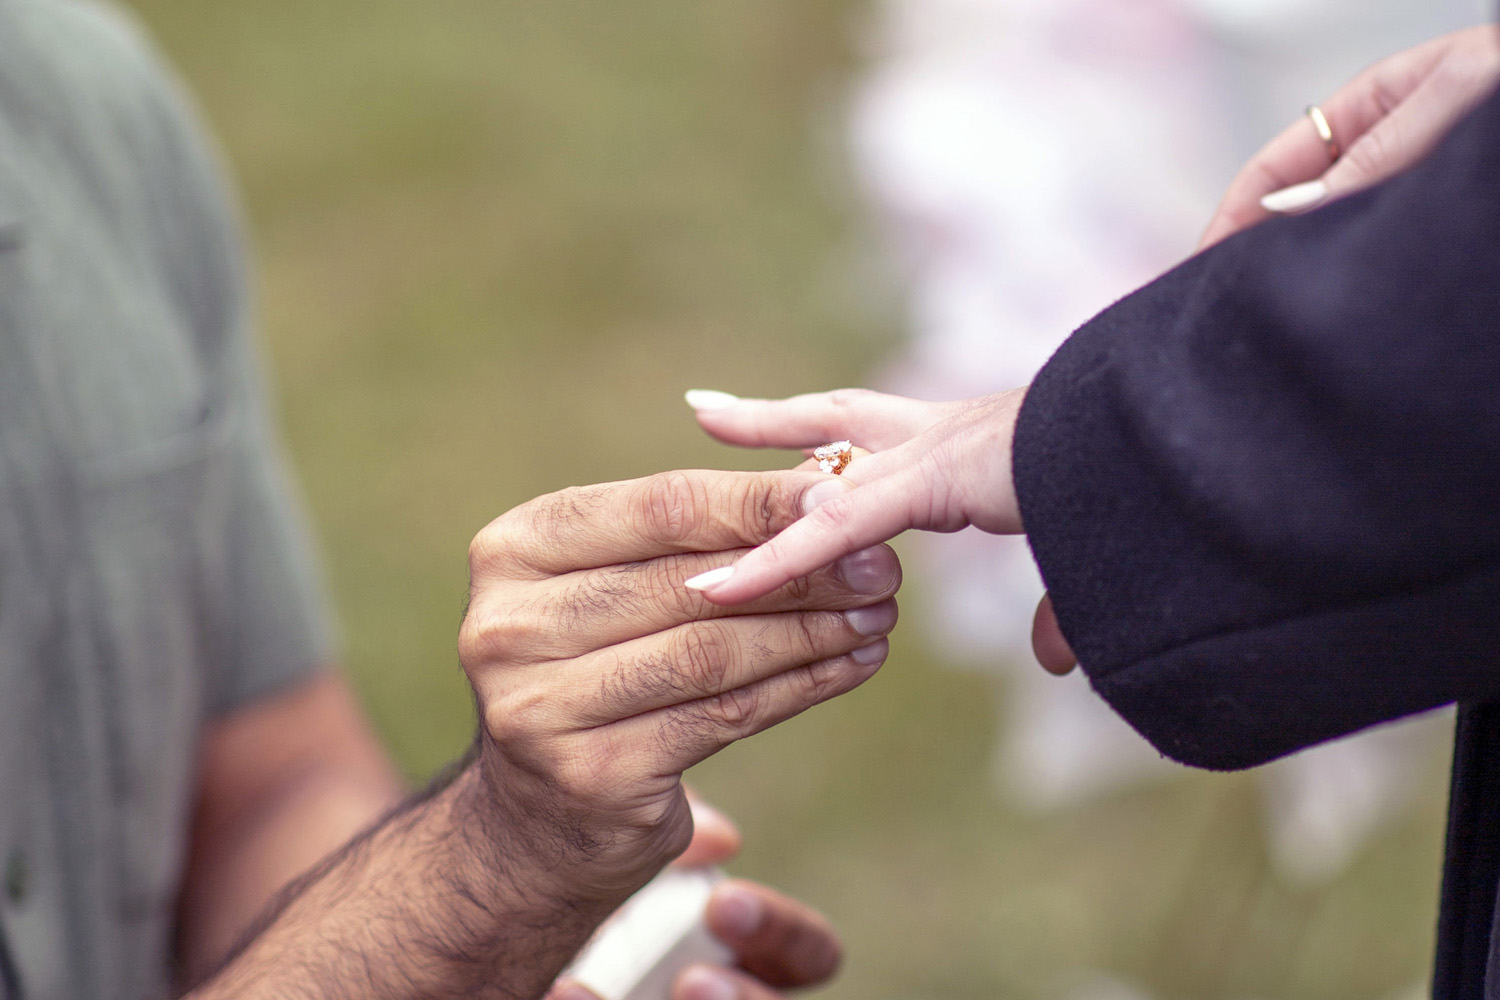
[936,466]
[1385,120]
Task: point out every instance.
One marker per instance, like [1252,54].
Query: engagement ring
[834,457]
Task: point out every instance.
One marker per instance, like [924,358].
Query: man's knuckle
[684,726]
[659,584]
[494,635]
[813,632]
[514,720]
[819,682]
[761,509]
[705,656]
[734,710]
[602,595]
[671,507]
[487,548]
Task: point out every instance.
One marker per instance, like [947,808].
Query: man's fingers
[779,940]
[590,526]
[612,604]
[871,420]
[709,659]
[668,741]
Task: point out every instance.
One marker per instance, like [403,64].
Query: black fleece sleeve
[1264,491]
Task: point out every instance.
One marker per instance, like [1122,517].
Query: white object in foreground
[659,932]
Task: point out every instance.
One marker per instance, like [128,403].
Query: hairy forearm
[283,782]
[430,903]
[239,871]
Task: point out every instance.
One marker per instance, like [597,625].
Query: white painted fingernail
[709,580]
[710,399]
[1297,198]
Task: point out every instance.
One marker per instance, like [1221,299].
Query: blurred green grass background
[495,241]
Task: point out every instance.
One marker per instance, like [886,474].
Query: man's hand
[1384,120]
[600,679]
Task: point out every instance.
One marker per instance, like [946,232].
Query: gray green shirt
[153,573]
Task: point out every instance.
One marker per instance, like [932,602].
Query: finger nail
[702,982]
[821,493]
[869,571]
[1297,198]
[709,580]
[736,914]
[710,399]
[877,619]
[871,654]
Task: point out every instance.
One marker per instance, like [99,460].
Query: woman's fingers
[1292,172]
[1297,156]
[877,510]
[1047,642]
[871,420]
[1415,126]
[956,473]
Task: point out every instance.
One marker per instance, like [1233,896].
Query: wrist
[554,845]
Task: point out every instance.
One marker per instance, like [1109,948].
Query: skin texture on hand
[589,726]
[1384,120]
[598,679]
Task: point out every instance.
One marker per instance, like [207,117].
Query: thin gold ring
[1325,131]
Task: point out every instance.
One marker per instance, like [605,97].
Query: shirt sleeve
[1264,491]
[276,621]
[268,615]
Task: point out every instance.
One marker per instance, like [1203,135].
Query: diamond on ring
[834,458]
